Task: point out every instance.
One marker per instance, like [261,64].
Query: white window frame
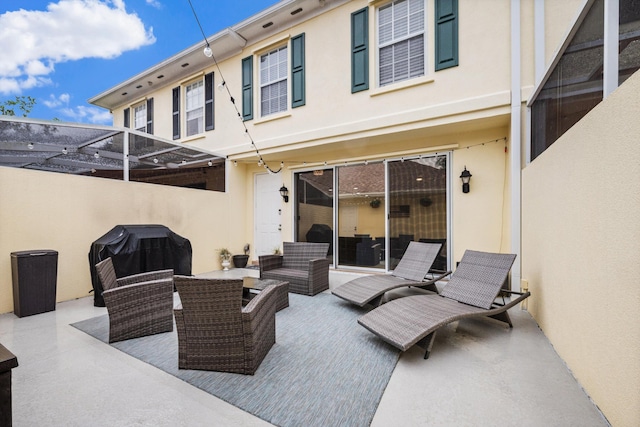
[396,40]
[194,107]
[279,79]
[140,117]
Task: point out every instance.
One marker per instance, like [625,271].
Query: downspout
[516,144]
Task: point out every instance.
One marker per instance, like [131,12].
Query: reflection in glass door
[314,207]
[361,215]
[418,206]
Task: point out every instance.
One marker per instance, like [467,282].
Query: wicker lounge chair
[471,292]
[215,333]
[138,305]
[303,264]
[411,271]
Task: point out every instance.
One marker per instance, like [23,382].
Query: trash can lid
[36,252]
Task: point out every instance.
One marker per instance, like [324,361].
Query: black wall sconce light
[465,176]
[284,192]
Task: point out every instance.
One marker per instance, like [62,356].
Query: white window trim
[428,29]
[260,84]
[142,106]
[185,121]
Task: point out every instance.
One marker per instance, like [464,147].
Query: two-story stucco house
[353,122]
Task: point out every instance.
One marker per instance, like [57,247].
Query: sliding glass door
[418,211]
[361,218]
[377,209]
[314,207]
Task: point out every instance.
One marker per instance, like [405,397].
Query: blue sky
[63,52]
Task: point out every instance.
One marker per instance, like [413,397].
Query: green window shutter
[176,112]
[297,71]
[150,116]
[208,102]
[446,39]
[127,117]
[360,50]
[247,88]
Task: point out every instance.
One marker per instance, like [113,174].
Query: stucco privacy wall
[580,246]
[42,210]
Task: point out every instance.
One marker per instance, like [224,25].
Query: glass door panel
[417,206]
[361,215]
[314,207]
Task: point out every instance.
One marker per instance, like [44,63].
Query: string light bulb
[64,150]
[207,51]
[221,85]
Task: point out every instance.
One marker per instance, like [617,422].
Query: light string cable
[209,53]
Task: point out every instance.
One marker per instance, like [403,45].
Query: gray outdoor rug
[324,370]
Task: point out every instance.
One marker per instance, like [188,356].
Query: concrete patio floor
[480,373]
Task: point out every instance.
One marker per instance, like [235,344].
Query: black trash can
[34,276]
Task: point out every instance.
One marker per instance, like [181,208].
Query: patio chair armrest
[146,297]
[440,276]
[318,267]
[521,297]
[145,277]
[269,262]
[260,307]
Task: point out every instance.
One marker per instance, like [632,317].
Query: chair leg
[427,344]
[503,317]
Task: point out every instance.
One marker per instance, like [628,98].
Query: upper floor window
[194,103]
[274,71]
[401,41]
[281,79]
[140,117]
[198,107]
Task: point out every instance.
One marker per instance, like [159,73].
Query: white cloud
[86,114]
[34,41]
[154,3]
[54,102]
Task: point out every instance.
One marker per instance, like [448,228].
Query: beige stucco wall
[478,88]
[580,246]
[42,210]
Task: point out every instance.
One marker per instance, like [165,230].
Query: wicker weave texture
[417,260]
[138,305]
[304,265]
[362,290]
[479,278]
[406,321]
[140,309]
[214,331]
[411,271]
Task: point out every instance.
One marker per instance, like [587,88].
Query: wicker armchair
[215,333]
[304,265]
[138,305]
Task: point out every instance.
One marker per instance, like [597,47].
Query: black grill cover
[138,249]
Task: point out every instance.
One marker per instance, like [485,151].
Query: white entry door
[267,213]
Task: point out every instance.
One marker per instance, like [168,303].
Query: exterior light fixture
[207,51]
[465,176]
[284,192]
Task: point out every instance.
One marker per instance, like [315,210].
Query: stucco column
[516,143]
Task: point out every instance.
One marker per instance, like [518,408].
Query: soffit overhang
[224,44]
